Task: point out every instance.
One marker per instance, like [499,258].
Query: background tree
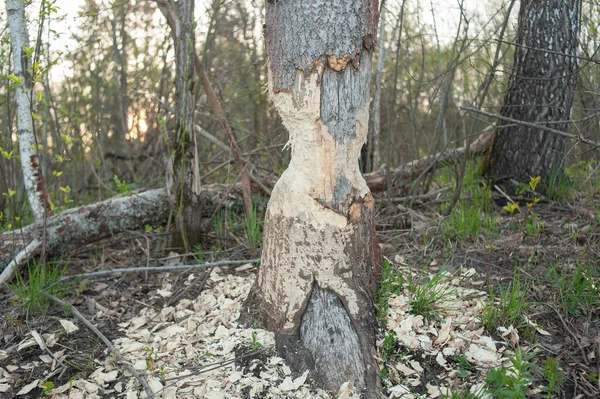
[23,61]
[540,90]
[320,266]
[186,174]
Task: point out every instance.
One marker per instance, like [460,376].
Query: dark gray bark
[540,90]
[317,282]
[186,176]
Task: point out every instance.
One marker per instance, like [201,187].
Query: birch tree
[540,90]
[317,282]
[33,178]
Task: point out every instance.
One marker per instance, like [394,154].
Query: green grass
[554,376]
[577,291]
[29,291]
[391,284]
[506,307]
[503,382]
[474,212]
[430,297]
[559,185]
[253,228]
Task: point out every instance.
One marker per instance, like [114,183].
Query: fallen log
[407,173]
[76,227]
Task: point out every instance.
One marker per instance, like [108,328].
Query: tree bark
[186,173]
[540,90]
[28,147]
[317,282]
[80,226]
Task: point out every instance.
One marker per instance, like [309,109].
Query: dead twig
[110,346]
[534,125]
[162,268]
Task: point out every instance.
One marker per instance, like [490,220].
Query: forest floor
[472,305]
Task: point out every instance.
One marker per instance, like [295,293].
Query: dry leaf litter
[172,346]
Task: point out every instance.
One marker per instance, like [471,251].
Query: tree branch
[534,125]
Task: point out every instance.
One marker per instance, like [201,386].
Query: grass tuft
[507,307]
[40,278]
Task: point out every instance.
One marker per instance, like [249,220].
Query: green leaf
[15,78]
[28,50]
[510,208]
[65,189]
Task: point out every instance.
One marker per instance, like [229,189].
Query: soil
[414,242]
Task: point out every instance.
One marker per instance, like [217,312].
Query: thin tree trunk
[28,147]
[186,174]
[318,277]
[540,90]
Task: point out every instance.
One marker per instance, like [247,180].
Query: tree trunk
[186,174]
[540,90]
[317,282]
[28,147]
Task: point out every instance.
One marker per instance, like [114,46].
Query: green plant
[47,387]
[512,382]
[578,291]
[553,375]
[391,283]
[122,186]
[387,352]
[507,307]
[40,278]
[464,366]
[429,298]
[253,226]
[559,184]
[254,343]
[199,254]
[472,215]
[219,224]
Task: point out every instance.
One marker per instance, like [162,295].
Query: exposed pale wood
[320,264]
[109,345]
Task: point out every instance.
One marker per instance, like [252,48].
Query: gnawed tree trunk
[28,147]
[540,90]
[320,263]
[186,173]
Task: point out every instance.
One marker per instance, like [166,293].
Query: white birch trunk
[30,164]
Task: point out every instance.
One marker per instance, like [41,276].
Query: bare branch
[534,125]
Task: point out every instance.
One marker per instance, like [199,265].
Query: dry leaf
[68,326]
[38,338]
[28,388]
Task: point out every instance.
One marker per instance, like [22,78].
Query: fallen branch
[76,227]
[162,268]
[115,351]
[406,173]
